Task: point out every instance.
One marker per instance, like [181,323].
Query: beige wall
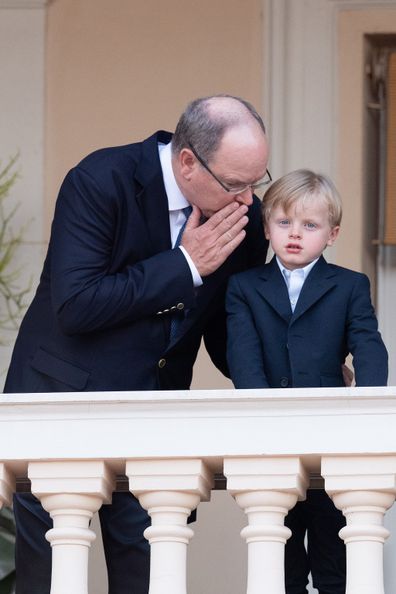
[354,243]
[354,155]
[21,131]
[118,71]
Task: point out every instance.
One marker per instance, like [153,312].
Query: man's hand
[210,244]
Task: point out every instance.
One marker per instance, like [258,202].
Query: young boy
[291,323]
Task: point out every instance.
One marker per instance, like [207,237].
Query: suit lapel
[272,287]
[151,197]
[152,202]
[320,280]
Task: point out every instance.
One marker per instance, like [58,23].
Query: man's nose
[245,197]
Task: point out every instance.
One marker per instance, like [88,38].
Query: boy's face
[300,236]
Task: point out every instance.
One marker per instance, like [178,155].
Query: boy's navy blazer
[100,318]
[270,346]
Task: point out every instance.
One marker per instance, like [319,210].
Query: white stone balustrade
[266,488]
[71,492]
[169,490]
[169,444]
[363,488]
[7,486]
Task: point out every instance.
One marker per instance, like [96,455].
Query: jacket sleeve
[370,357]
[88,292]
[244,348]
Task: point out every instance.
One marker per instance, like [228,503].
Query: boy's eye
[284,222]
[310,225]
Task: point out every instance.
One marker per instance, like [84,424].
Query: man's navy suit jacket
[100,318]
[269,346]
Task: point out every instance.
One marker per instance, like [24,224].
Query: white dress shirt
[176,203]
[295,279]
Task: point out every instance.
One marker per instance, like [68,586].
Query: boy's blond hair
[303,185]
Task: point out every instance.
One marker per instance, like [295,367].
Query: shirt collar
[306,270]
[176,200]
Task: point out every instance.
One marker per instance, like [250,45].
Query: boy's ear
[333,235]
[266,233]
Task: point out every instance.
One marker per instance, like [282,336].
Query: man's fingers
[226,217]
[232,244]
[231,232]
[210,243]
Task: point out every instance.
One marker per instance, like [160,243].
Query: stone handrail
[170,444]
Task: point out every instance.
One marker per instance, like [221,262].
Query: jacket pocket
[60,370]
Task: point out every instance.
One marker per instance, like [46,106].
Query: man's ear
[187,163]
[333,235]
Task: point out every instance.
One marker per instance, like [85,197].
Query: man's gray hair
[203,124]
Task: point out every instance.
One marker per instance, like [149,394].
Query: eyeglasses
[234,189]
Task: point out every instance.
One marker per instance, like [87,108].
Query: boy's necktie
[178,316]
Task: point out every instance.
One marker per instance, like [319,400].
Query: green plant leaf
[7,585]
[7,544]
[12,295]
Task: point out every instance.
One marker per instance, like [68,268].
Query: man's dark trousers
[127,551]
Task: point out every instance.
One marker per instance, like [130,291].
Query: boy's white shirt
[295,279]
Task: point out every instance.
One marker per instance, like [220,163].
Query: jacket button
[161,363]
[180,306]
[284,382]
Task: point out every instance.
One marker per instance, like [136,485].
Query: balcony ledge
[210,424]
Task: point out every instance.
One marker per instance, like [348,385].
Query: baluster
[266,488]
[363,488]
[7,485]
[71,492]
[169,490]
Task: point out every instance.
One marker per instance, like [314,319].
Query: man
[121,305]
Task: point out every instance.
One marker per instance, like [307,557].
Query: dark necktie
[187,211]
[178,316]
